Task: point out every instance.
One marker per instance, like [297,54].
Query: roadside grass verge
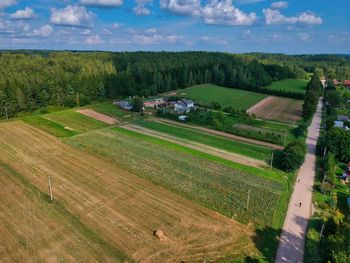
[246,149]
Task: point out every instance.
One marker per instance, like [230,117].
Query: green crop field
[292,85]
[209,183]
[250,150]
[75,121]
[236,98]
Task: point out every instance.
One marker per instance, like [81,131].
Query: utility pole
[324,152]
[271,161]
[6,113]
[248,199]
[50,189]
[323,181]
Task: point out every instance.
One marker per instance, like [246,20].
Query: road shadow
[267,240]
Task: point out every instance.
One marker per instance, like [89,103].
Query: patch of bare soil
[98,116]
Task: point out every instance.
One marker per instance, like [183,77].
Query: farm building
[183,106]
[341,124]
[323,81]
[124,104]
[342,118]
[347,83]
[154,102]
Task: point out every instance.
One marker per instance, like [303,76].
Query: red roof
[347,82]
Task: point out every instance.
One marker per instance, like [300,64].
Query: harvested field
[121,208]
[279,109]
[199,146]
[98,116]
[32,229]
[259,105]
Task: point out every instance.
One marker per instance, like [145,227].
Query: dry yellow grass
[121,207]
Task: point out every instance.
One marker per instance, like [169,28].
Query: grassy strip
[246,149]
[76,121]
[289,85]
[269,174]
[51,127]
[74,220]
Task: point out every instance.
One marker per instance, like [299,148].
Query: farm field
[280,109]
[75,121]
[292,85]
[33,229]
[236,98]
[213,185]
[250,150]
[114,207]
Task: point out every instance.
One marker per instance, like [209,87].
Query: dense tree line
[32,79]
[313,92]
[332,66]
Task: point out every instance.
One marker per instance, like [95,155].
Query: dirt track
[98,116]
[123,208]
[199,147]
[219,133]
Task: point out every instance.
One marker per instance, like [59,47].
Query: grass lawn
[207,93]
[75,121]
[292,85]
[245,149]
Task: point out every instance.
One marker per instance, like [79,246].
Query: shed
[339,124]
[183,118]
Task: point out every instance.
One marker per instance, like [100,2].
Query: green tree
[137,104]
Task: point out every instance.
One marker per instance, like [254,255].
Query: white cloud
[304,36]
[151,39]
[72,16]
[280,5]
[7,3]
[213,40]
[21,41]
[102,3]
[43,31]
[182,7]
[151,30]
[93,40]
[141,9]
[115,25]
[244,2]
[105,31]
[224,13]
[26,13]
[275,17]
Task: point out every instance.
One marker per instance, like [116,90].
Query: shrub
[292,156]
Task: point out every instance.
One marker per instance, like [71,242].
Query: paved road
[291,247]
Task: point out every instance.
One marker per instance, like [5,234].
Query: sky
[237,26]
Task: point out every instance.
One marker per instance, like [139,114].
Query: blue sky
[293,27]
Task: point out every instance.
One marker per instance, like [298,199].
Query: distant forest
[34,79]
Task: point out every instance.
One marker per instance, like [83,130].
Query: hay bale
[160,235]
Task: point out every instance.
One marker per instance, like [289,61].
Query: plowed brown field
[120,207]
[279,109]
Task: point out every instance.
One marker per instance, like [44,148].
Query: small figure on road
[298,180]
[300,204]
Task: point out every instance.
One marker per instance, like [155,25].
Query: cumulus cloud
[182,7]
[43,31]
[224,13]
[26,13]
[102,3]
[280,5]
[304,36]
[275,17]
[72,16]
[141,9]
[151,39]
[94,40]
[213,40]
[7,3]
